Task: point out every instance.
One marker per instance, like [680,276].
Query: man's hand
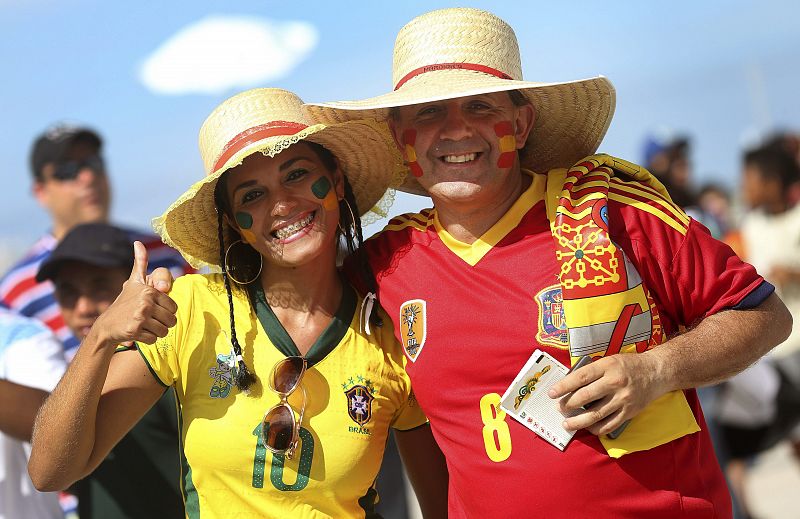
[612,389]
[140,313]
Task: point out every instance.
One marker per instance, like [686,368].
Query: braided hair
[243,378]
[350,227]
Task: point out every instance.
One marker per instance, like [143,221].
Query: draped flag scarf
[607,308]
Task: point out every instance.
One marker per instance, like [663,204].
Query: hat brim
[49,269]
[571,117]
[365,153]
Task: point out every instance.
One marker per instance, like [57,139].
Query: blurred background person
[713,210]
[668,158]
[71,183]
[139,479]
[759,407]
[788,142]
[31,363]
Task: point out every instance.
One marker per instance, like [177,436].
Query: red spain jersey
[469,316]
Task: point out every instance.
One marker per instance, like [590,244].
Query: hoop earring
[352,215]
[242,269]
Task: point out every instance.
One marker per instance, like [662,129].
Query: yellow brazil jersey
[355,389]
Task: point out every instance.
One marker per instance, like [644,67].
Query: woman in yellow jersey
[287,379]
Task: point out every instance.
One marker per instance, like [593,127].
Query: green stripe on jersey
[324,344]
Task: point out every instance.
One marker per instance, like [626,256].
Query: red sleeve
[690,275]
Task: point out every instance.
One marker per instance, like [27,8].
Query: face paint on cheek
[409,138]
[507,144]
[321,189]
[248,236]
[245,221]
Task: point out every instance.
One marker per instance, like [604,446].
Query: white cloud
[221,53]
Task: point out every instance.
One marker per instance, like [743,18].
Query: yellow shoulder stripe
[668,205]
[658,213]
[416,221]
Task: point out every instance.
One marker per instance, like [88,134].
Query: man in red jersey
[520,253]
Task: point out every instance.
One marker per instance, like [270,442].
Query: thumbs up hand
[161,279]
[141,312]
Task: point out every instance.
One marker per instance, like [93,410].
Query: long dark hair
[349,230]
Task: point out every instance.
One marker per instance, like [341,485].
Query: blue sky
[723,72]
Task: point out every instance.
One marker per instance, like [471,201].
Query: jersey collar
[324,344]
[473,252]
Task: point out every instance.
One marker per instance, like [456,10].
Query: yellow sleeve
[161,357]
[409,415]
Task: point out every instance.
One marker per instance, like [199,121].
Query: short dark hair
[775,164]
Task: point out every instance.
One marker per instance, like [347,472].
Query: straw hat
[461,52]
[269,120]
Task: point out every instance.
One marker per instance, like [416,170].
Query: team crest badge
[359,404]
[413,327]
[552,327]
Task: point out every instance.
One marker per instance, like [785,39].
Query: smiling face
[464,149]
[286,207]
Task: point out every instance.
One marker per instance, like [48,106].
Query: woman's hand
[140,313]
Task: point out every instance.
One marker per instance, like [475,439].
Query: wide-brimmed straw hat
[269,120]
[461,52]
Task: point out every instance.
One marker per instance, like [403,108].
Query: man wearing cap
[534,243]
[70,182]
[88,269]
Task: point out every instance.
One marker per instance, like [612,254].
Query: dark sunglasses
[280,431]
[70,169]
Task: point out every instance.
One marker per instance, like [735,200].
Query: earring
[352,215]
[240,269]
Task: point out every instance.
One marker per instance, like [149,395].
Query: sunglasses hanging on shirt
[280,432]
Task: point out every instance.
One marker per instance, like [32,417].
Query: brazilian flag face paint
[321,187]
[323,190]
[245,222]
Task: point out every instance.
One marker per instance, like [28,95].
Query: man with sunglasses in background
[71,183]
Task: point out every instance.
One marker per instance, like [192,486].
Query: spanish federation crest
[552,327]
[359,404]
[413,327]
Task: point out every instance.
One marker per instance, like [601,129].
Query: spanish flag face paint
[323,190]
[245,222]
[409,138]
[508,144]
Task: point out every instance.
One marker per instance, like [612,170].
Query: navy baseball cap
[96,244]
[53,145]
